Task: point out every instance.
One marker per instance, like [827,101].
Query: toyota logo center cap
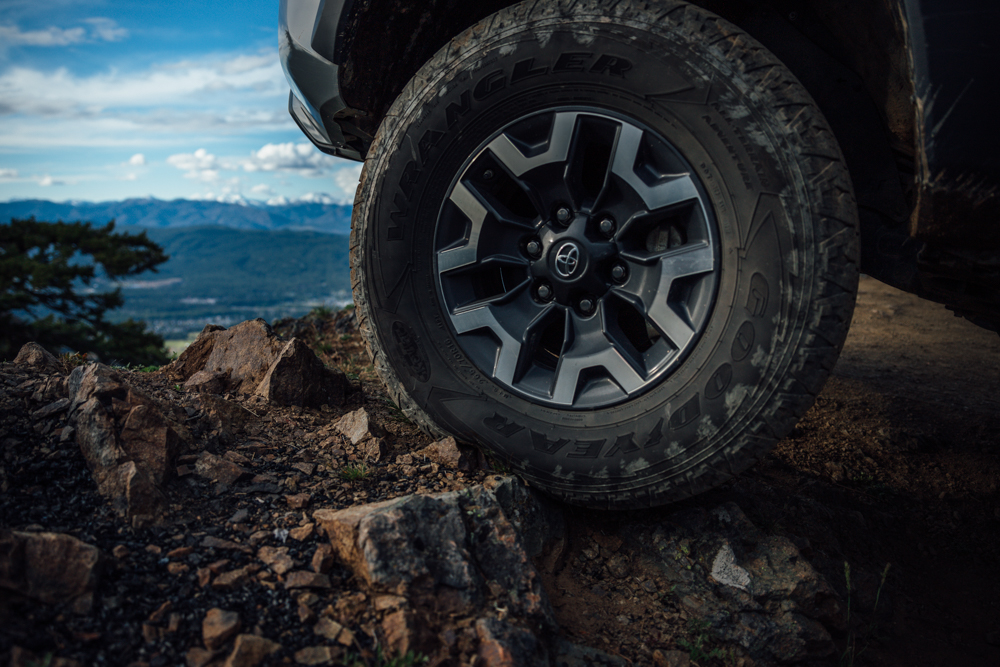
[567,259]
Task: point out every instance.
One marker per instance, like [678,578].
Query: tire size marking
[744,172]
[411,351]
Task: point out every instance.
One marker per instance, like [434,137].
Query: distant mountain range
[315,213]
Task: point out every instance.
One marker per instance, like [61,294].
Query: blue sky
[104,100]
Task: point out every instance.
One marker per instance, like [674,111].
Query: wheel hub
[573,263]
[584,267]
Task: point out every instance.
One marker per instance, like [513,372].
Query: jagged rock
[402,632]
[373,449]
[198,657]
[207,382]
[218,627]
[218,469]
[446,452]
[322,559]
[434,551]
[212,542]
[250,651]
[149,438]
[37,357]
[305,579]
[504,645]
[358,425]
[318,655]
[276,558]
[298,501]
[95,381]
[302,533]
[298,377]
[250,358]
[328,628]
[231,579]
[51,409]
[538,521]
[128,440]
[753,589]
[131,488]
[50,567]
[51,389]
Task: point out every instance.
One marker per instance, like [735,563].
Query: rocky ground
[196,515]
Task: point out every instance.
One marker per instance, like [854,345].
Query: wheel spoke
[667,190]
[588,168]
[589,346]
[637,219]
[473,209]
[511,319]
[560,140]
[649,288]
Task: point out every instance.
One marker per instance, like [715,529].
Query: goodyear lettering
[456,110]
[624,444]
[524,70]
[586,449]
[542,444]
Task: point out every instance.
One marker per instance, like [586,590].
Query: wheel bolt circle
[619,273]
[543,291]
[534,248]
[586,305]
[607,226]
[563,214]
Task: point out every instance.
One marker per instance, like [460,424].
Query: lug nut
[607,227]
[586,305]
[534,248]
[488,174]
[619,273]
[543,292]
[563,214]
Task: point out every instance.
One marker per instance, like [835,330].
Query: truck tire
[613,242]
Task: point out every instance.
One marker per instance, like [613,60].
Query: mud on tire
[613,242]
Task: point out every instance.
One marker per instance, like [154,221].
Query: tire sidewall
[699,101]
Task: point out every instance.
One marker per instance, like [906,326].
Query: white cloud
[46,181]
[12,35]
[62,93]
[262,190]
[9,173]
[197,161]
[302,158]
[100,29]
[347,180]
[130,177]
[200,165]
[137,160]
[106,29]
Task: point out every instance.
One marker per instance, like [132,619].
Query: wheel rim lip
[670,362]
